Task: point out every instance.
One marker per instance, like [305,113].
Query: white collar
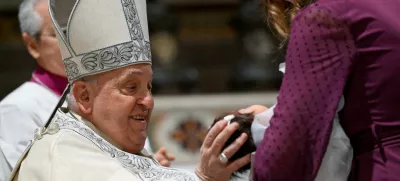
[147,168]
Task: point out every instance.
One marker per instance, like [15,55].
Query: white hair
[71,101]
[29,19]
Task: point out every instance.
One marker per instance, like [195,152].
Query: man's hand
[211,167]
[163,157]
[254,109]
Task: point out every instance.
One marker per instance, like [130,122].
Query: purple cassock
[338,47]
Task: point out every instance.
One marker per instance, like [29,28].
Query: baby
[245,122]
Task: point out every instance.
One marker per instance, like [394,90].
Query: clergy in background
[29,106]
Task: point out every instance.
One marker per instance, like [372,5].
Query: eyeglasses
[48,35]
[51,35]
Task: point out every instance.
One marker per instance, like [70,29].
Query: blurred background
[209,57]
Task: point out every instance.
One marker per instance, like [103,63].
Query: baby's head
[244,121]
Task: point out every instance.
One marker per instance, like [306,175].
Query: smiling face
[119,104]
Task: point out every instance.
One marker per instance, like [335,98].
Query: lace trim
[146,168]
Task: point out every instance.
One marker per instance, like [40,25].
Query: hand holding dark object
[244,121]
[211,168]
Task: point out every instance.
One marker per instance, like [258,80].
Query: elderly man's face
[45,49]
[122,104]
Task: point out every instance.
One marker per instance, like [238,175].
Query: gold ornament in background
[164,47]
[189,135]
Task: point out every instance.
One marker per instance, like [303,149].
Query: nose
[147,101]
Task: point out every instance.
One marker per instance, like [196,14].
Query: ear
[31,44]
[84,96]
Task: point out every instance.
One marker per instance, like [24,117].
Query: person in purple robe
[335,48]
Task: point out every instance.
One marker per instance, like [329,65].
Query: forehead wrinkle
[128,74]
[137,72]
[132,73]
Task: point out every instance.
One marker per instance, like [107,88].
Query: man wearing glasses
[30,105]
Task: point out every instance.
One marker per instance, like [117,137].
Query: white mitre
[100,35]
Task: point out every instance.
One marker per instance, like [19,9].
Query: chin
[136,148]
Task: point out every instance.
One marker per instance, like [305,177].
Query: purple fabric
[337,47]
[55,83]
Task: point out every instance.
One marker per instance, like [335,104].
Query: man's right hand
[210,167]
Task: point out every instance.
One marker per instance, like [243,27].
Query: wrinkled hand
[254,109]
[163,157]
[210,167]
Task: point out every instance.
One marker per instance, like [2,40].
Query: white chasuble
[73,149]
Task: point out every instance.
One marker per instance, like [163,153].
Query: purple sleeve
[318,61]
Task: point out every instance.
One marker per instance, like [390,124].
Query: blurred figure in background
[30,105]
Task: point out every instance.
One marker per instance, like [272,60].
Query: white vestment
[23,111]
[73,149]
[336,164]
